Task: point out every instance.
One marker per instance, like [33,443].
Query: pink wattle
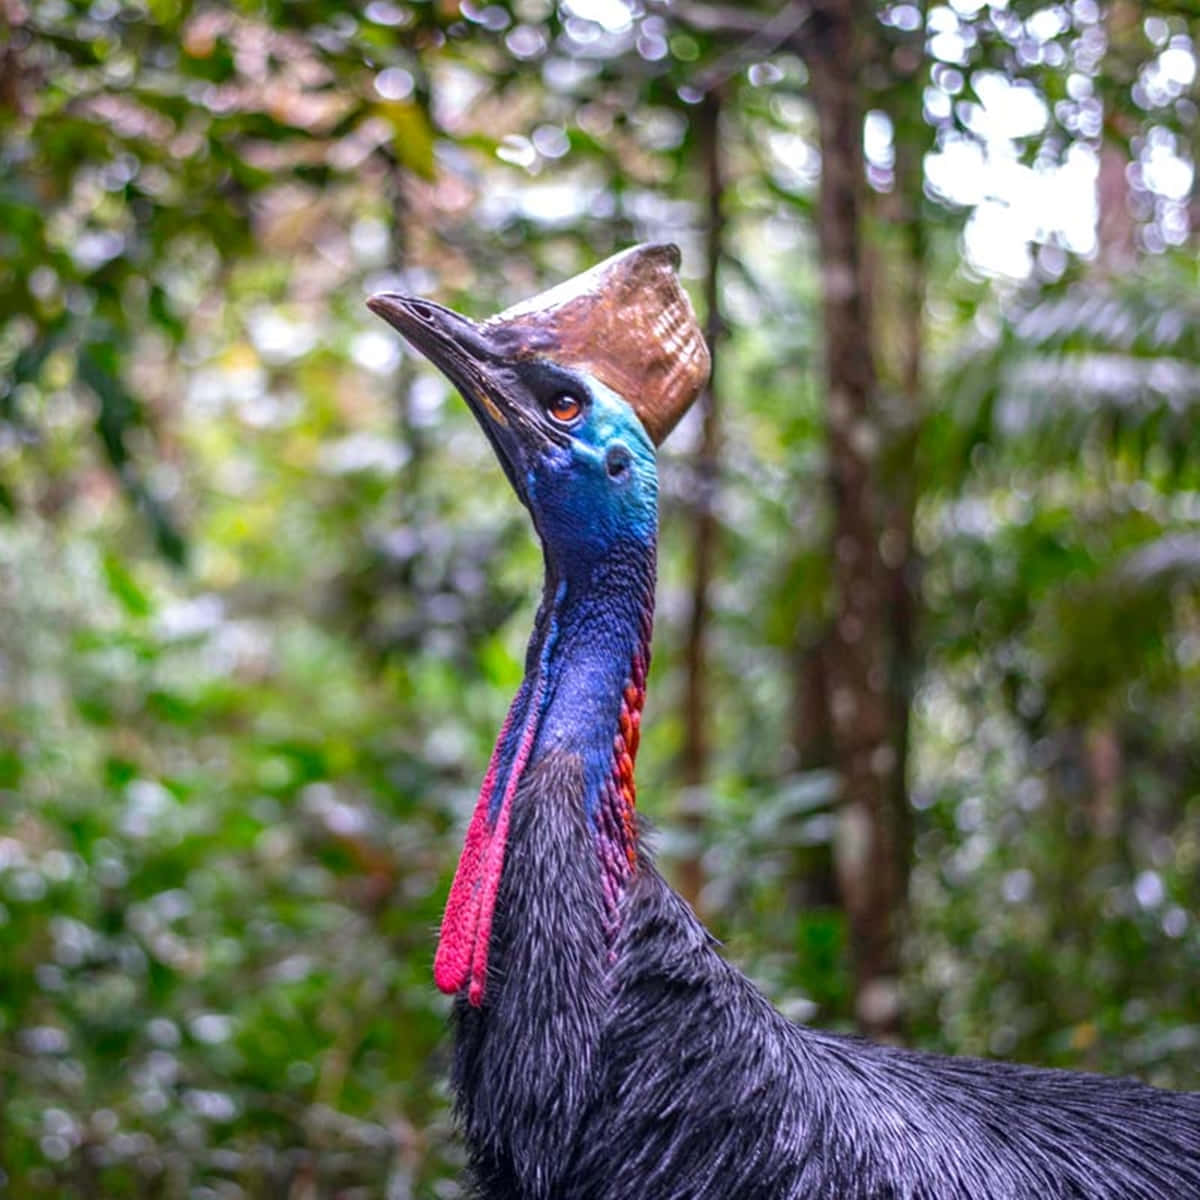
[462,952]
[452,963]
[489,885]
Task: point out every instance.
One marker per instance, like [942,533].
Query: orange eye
[564,408]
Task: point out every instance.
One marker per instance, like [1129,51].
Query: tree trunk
[900,561]
[812,732]
[1116,231]
[870,854]
[695,759]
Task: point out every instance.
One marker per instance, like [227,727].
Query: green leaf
[124,587]
[412,135]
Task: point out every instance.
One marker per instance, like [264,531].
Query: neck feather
[584,686]
[594,690]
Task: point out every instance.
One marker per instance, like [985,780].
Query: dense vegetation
[264,594]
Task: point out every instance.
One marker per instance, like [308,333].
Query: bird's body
[661,1072]
[604,1048]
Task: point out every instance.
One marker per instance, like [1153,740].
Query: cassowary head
[574,388]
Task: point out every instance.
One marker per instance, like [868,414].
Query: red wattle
[489,885]
[452,963]
[462,951]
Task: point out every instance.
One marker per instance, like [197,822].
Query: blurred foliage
[265,594]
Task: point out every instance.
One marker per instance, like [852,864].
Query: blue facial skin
[594,502]
[597,496]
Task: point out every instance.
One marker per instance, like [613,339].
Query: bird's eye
[564,408]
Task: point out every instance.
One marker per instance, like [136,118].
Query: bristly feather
[662,1073]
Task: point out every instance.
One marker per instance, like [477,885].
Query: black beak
[487,379]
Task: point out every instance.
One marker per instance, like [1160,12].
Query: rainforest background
[264,594]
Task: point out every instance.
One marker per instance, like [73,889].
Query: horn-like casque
[629,323]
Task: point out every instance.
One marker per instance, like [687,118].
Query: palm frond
[1113,362]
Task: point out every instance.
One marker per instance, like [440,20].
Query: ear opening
[617,461]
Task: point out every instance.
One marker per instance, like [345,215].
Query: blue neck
[593,623]
[603,621]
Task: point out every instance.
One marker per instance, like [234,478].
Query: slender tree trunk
[1102,753]
[902,568]
[12,37]
[705,532]
[896,545]
[1116,232]
[812,728]
[870,853]
[813,879]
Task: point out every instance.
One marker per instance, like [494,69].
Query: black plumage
[665,1074]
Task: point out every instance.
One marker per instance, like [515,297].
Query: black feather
[654,1069]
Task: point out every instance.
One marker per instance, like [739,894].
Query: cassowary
[604,1049]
